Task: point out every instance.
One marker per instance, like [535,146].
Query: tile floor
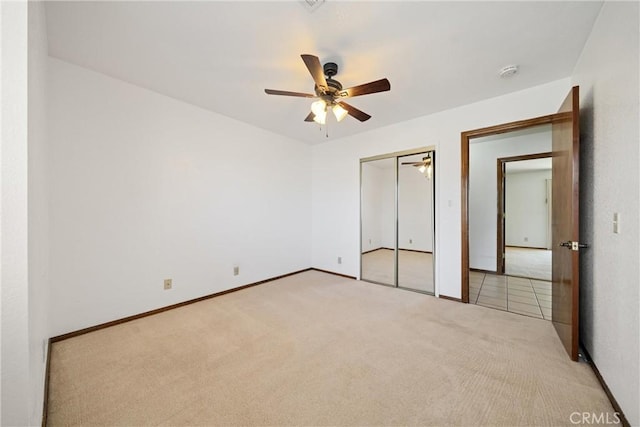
[514,294]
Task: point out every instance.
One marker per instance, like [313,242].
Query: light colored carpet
[318,349]
[415,269]
[525,262]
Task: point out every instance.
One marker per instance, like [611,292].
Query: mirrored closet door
[377,213]
[415,222]
[397,220]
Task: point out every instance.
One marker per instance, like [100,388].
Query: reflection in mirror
[378,221]
[415,222]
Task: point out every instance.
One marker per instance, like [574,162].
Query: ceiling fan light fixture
[319,108]
[320,117]
[339,112]
[422,168]
[329,92]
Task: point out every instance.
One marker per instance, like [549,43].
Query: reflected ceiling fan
[424,165]
[330,92]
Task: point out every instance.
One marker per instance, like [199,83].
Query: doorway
[504,223]
[524,216]
[397,220]
[565,149]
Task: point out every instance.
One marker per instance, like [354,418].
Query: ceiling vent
[312,5]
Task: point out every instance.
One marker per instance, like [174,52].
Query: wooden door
[565,222]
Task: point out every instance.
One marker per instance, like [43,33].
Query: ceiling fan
[330,92]
[424,165]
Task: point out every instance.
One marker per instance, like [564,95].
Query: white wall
[607,73]
[38,200]
[414,210]
[370,211]
[24,225]
[15,403]
[335,203]
[526,209]
[483,187]
[387,208]
[378,198]
[144,187]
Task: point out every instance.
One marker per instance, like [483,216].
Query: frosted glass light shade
[319,107]
[320,117]
[339,112]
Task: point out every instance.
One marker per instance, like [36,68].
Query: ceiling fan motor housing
[334,84]
[330,69]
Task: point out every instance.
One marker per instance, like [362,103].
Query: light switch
[616,223]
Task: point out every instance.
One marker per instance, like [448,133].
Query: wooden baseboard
[169,307]
[377,249]
[449,298]
[527,247]
[415,250]
[479,270]
[401,249]
[623,419]
[334,273]
[371,250]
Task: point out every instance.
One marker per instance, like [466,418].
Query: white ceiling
[222,55]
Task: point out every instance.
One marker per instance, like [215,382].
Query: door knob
[574,246]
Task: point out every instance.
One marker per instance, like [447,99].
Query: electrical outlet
[236,270]
[339,260]
[526,239]
[410,241]
[369,241]
[167,284]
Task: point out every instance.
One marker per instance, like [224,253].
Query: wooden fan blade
[381,85]
[412,163]
[287,93]
[310,117]
[354,112]
[315,68]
